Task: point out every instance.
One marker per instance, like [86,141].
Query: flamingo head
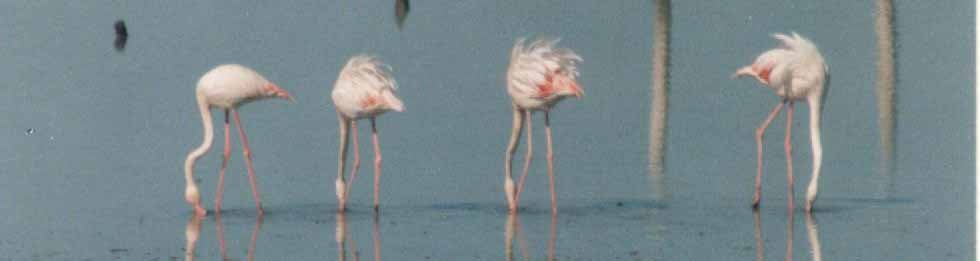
[566,86]
[273,90]
[760,73]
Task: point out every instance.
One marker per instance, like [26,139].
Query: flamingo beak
[577,91]
[280,93]
[744,71]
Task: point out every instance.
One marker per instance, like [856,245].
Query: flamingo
[364,89]
[796,71]
[227,87]
[539,76]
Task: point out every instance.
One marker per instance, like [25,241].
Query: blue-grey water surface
[94,139]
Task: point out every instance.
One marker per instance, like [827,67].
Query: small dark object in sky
[121,35]
[619,204]
[401,12]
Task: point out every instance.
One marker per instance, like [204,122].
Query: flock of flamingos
[540,75]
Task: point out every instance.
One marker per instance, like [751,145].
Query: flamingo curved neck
[205,145]
[815,110]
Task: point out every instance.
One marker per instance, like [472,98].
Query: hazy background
[100,174]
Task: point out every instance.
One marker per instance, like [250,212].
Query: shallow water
[95,138]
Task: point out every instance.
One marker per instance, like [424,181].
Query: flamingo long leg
[515,137]
[224,165]
[377,164]
[758,144]
[344,125]
[357,159]
[789,225]
[789,154]
[551,163]
[248,163]
[527,158]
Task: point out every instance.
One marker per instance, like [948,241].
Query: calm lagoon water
[94,139]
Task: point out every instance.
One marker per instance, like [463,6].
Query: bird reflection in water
[812,236]
[513,229]
[342,240]
[192,232]
[251,245]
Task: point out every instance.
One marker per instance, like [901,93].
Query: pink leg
[515,136]
[758,144]
[789,224]
[224,165]
[377,164]
[248,163]
[527,159]
[789,154]
[357,159]
[551,163]
[341,188]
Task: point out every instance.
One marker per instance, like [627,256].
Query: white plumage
[541,74]
[795,66]
[230,85]
[365,89]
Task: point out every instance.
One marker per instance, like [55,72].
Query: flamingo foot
[200,211]
[509,193]
[341,192]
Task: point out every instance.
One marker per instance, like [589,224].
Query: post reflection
[342,238]
[658,102]
[812,236]
[250,255]
[513,231]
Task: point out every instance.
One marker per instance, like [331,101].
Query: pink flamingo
[539,76]
[227,87]
[364,89]
[796,71]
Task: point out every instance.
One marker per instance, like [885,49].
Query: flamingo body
[364,89]
[540,74]
[538,77]
[227,87]
[795,71]
[231,85]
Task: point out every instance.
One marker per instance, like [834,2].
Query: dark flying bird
[121,35]
[401,12]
